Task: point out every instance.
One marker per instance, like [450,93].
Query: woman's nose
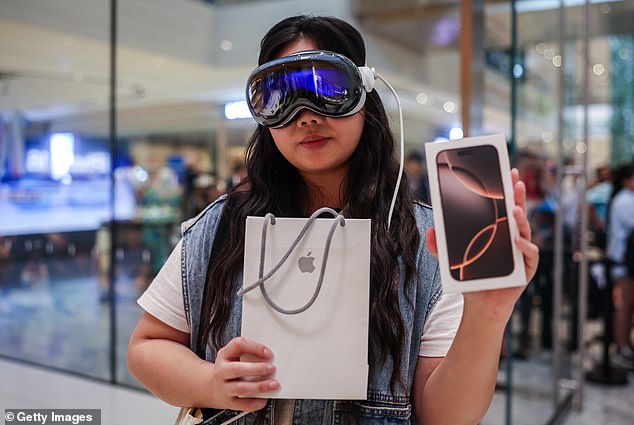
[306,117]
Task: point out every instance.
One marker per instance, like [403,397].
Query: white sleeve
[163,299]
[441,326]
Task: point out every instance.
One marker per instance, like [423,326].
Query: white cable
[402,148]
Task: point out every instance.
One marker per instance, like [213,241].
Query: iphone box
[472,199]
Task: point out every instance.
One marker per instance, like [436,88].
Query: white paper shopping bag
[322,351]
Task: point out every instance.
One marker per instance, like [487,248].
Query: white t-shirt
[164,300]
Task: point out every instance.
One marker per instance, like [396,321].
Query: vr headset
[324,82]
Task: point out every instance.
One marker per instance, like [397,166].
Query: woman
[297,162]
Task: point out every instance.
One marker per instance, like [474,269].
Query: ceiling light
[62,148]
[624,53]
[449,106]
[422,98]
[236,110]
[557,61]
[456,133]
[226,45]
[598,69]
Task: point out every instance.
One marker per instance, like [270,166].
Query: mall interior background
[150,150]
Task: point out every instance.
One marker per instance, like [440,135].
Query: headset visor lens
[326,83]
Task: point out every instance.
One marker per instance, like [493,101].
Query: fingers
[519,189]
[243,369]
[515,175]
[241,358]
[239,369]
[239,393]
[519,211]
[244,388]
[238,347]
[530,251]
[523,225]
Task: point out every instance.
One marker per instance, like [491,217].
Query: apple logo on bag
[306,263]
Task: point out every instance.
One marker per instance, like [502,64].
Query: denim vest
[383,405]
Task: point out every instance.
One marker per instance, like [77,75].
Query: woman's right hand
[236,381]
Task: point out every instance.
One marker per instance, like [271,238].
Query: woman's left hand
[500,302]
[524,243]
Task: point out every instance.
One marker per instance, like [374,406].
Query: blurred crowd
[608,192]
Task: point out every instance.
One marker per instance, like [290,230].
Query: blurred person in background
[620,226]
[238,173]
[159,209]
[540,173]
[206,188]
[531,167]
[598,197]
[416,171]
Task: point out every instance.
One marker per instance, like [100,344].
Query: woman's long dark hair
[274,185]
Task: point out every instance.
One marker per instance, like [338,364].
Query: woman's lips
[313,142]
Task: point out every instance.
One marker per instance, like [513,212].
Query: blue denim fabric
[383,405]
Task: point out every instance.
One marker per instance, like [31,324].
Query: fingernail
[270,368]
[274,385]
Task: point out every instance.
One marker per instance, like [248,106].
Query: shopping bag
[311,304]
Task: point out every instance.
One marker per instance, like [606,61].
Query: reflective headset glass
[324,82]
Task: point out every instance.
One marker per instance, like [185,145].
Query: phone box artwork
[472,199]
